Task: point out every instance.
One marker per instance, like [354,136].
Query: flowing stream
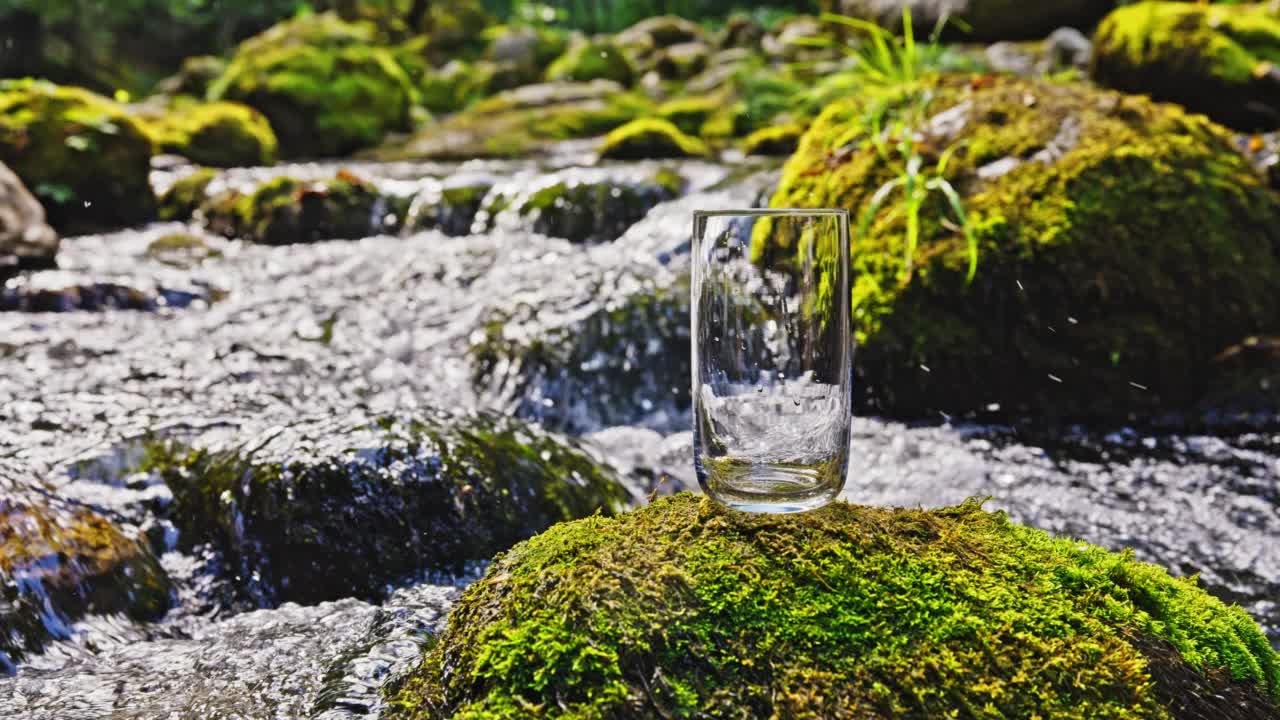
[255,337]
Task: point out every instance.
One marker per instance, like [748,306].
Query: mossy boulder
[683,61]
[456,27]
[774,140]
[687,609]
[645,41]
[186,195]
[58,565]
[451,209]
[689,114]
[592,60]
[218,134]
[623,362]
[740,31]
[1216,59]
[521,55]
[324,85]
[529,120]
[1120,245]
[81,154]
[287,210]
[293,513]
[585,212]
[651,138]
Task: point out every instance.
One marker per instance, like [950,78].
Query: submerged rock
[651,138]
[686,608]
[626,359]
[25,239]
[219,134]
[286,210]
[1215,59]
[58,565]
[330,509]
[83,155]
[324,84]
[584,212]
[194,77]
[526,121]
[1151,245]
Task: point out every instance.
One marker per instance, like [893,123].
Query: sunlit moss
[690,113]
[219,134]
[651,138]
[180,201]
[775,140]
[685,609]
[592,61]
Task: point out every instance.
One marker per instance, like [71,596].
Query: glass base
[769,487]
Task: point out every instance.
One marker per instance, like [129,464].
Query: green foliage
[1074,310]
[292,512]
[685,609]
[651,138]
[1216,59]
[85,158]
[325,89]
[218,134]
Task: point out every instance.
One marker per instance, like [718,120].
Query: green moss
[651,138]
[293,513]
[69,563]
[286,210]
[592,212]
[1122,243]
[81,154]
[1216,59]
[324,88]
[776,140]
[595,60]
[195,76]
[686,609]
[690,113]
[523,122]
[218,134]
[180,201]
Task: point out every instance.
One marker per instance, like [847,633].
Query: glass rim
[764,212]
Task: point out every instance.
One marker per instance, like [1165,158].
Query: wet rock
[593,212]
[181,250]
[186,195]
[1085,325]
[194,77]
[629,616]
[81,154]
[1215,59]
[219,134]
[286,210]
[984,20]
[450,209]
[593,60]
[775,140]
[324,85]
[58,565]
[25,239]
[529,120]
[651,138]
[292,512]
[623,361]
[64,292]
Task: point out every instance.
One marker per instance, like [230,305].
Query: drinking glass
[772,351]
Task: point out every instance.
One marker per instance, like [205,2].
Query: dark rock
[983,20]
[25,239]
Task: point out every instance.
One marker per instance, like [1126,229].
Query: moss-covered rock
[81,154]
[624,361]
[194,77]
[181,250]
[293,515]
[186,195]
[1121,244]
[591,211]
[452,209]
[456,27]
[1216,59]
[526,121]
[218,134]
[651,138]
[58,566]
[775,140]
[690,113]
[326,88]
[521,55]
[740,31]
[645,41]
[592,60]
[687,609]
[287,210]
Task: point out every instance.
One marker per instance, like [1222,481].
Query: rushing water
[258,336]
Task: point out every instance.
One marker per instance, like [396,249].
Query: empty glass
[771,357]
